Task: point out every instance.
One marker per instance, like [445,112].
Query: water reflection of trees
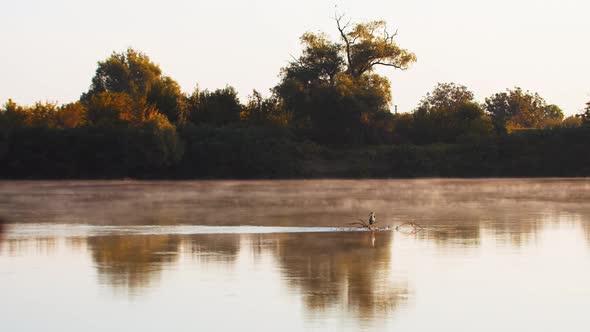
[19,246]
[350,270]
[458,236]
[136,262]
[346,270]
[222,248]
[132,262]
[2,229]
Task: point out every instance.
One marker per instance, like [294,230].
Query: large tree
[166,96]
[133,73]
[447,96]
[219,107]
[130,72]
[332,89]
[516,109]
[449,114]
[572,121]
[368,45]
[262,111]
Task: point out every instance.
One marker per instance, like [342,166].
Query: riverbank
[259,153]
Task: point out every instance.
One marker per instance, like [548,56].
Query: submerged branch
[407,227]
[362,224]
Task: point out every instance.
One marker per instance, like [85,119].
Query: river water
[493,255]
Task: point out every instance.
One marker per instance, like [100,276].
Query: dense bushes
[559,152]
[88,152]
[239,152]
[153,151]
[149,151]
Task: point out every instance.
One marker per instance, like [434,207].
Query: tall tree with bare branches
[370,44]
[332,89]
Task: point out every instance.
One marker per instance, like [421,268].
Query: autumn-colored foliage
[135,121]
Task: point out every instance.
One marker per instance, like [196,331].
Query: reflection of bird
[372,218]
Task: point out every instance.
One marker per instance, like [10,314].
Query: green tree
[465,121]
[368,45]
[220,107]
[12,115]
[166,96]
[106,108]
[163,145]
[516,109]
[447,96]
[116,109]
[133,73]
[304,79]
[449,114]
[331,89]
[192,104]
[265,111]
[553,117]
[41,115]
[71,115]
[130,72]
[572,121]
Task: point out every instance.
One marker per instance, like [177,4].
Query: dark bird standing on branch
[372,218]
[361,223]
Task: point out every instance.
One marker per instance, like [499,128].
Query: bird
[372,218]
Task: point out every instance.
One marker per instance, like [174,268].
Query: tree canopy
[370,44]
[449,114]
[515,109]
[265,111]
[447,96]
[130,72]
[166,96]
[219,107]
[134,74]
[331,89]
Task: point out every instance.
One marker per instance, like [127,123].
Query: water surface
[495,255]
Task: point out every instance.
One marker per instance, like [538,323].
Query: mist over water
[495,255]
[318,203]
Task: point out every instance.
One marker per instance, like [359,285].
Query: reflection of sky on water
[524,268]
[322,280]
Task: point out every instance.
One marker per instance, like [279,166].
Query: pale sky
[50,48]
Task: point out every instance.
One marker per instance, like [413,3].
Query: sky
[50,48]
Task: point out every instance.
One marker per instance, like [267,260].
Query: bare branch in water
[407,227]
[362,224]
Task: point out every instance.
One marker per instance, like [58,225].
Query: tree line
[135,121]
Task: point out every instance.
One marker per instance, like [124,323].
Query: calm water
[495,255]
